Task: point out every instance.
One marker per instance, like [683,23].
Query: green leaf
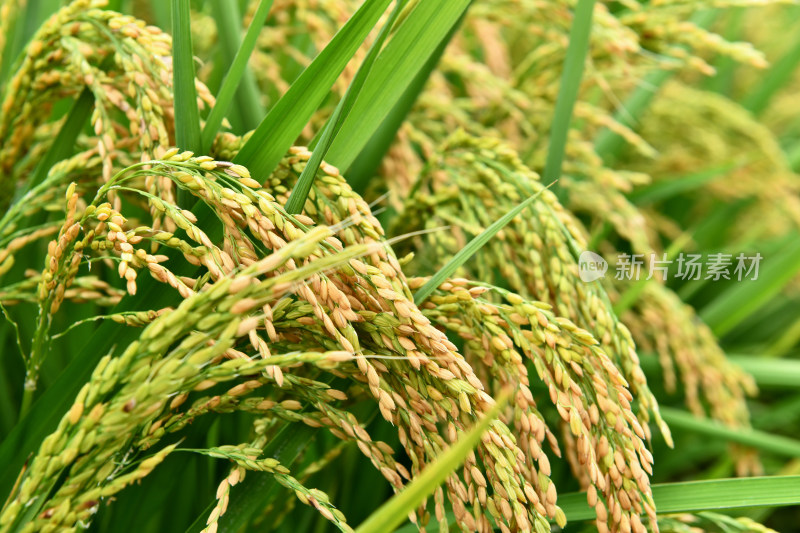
[64,142]
[693,496]
[286,120]
[239,80]
[10,362]
[749,437]
[366,163]
[785,341]
[570,85]
[13,40]
[469,250]
[394,512]
[746,297]
[187,118]
[670,187]
[776,78]
[413,43]
[769,372]
[297,198]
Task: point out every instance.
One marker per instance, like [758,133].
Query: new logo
[592,266]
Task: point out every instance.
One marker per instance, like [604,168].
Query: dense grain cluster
[296,319]
[604,440]
[510,93]
[690,355]
[342,288]
[475,181]
[124,64]
[731,144]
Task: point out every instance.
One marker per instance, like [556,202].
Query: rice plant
[373,266]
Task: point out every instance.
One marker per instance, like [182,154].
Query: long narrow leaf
[239,80]
[746,297]
[27,17]
[368,160]
[769,372]
[779,74]
[570,85]
[276,133]
[13,36]
[297,198]
[749,437]
[414,42]
[394,512]
[692,496]
[187,118]
[670,187]
[469,250]
[65,140]
[786,340]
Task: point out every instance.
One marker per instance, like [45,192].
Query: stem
[27,398]
[31,374]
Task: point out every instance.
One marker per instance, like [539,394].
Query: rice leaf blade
[693,496]
[65,139]
[749,437]
[414,42]
[238,80]
[373,152]
[570,85]
[745,298]
[299,193]
[162,13]
[187,117]
[469,250]
[770,372]
[284,122]
[27,18]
